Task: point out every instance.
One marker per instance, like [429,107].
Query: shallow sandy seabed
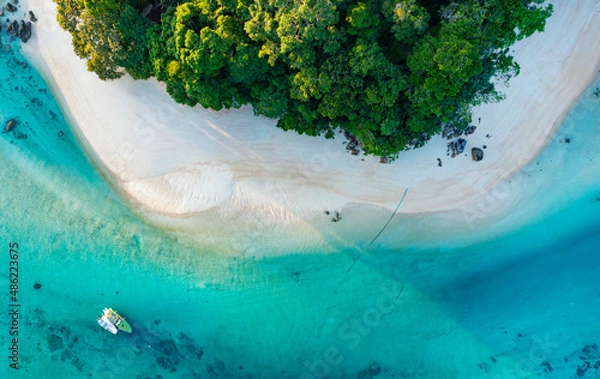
[235,181]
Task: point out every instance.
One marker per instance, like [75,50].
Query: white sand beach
[238,182]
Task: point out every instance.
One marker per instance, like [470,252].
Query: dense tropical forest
[391,73]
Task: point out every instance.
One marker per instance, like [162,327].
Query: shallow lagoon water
[517,300]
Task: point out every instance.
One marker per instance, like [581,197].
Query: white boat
[107,325]
[113,322]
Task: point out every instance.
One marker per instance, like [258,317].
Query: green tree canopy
[109,34]
[389,72]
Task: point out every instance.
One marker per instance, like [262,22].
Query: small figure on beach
[337,217]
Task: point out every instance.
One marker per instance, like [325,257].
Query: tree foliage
[109,34]
[389,72]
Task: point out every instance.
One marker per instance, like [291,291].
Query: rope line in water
[391,217]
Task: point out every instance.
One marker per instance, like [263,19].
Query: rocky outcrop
[470,130]
[457,147]
[10,7]
[477,154]
[10,27]
[21,30]
[24,32]
[450,131]
[352,144]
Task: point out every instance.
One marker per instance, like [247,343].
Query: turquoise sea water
[518,303]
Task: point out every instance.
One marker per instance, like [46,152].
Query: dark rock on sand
[460,145]
[14,27]
[457,147]
[10,125]
[25,31]
[476,154]
[32,17]
[450,131]
[470,129]
[10,8]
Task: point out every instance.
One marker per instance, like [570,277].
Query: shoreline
[230,169]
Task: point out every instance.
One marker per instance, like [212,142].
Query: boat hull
[124,326]
[106,325]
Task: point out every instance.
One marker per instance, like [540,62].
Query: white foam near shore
[237,181]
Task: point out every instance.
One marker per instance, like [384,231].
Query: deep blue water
[518,301]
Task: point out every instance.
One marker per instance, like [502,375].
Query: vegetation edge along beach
[391,74]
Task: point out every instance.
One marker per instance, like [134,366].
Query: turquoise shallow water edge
[519,303]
